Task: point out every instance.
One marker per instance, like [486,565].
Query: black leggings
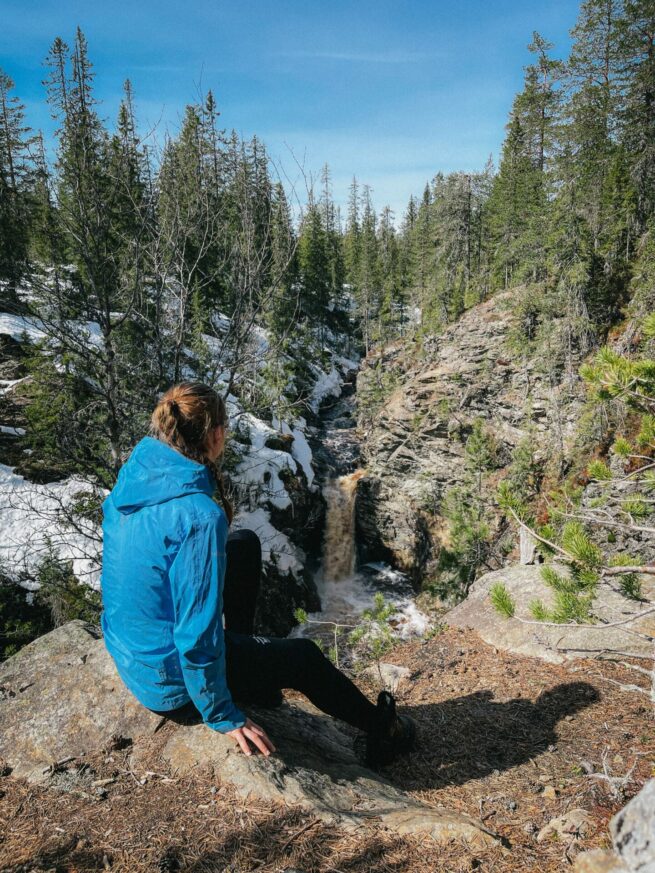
[259,667]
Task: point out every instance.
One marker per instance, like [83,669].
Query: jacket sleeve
[196,575]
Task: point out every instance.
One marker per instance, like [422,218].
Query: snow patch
[300,449]
[276,547]
[327,385]
[8,385]
[19,326]
[31,522]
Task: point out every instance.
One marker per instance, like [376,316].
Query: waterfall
[339,556]
[345,589]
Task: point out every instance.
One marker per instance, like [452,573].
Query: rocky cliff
[429,399]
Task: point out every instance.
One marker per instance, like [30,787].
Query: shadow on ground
[473,736]
[467,737]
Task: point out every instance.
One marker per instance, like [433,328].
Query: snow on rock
[8,385]
[31,522]
[261,465]
[346,364]
[300,449]
[276,547]
[330,384]
[327,385]
[31,514]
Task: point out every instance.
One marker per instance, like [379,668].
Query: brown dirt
[507,739]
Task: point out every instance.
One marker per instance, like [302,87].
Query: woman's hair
[183,418]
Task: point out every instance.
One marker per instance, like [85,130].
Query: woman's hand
[256,735]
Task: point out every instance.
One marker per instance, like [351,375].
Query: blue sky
[388,91]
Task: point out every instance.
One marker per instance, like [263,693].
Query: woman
[170,570]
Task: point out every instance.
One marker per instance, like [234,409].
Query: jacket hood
[155,473]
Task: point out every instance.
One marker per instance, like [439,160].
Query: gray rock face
[413,447]
[633,835]
[62,697]
[389,676]
[525,584]
[633,831]
[316,768]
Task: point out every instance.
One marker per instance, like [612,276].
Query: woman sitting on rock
[171,570]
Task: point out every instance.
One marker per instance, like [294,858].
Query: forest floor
[509,740]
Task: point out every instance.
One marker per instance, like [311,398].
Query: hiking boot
[392,734]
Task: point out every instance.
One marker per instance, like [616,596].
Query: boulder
[574,823]
[389,676]
[633,835]
[316,768]
[633,831]
[555,644]
[62,698]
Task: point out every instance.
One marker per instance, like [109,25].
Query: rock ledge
[63,697]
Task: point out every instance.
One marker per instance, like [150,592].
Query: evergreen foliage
[21,619]
[501,599]
[620,384]
[467,507]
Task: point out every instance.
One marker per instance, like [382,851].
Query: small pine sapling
[502,600]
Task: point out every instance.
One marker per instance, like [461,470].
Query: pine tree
[352,241]
[367,294]
[466,508]
[637,110]
[334,250]
[313,266]
[16,174]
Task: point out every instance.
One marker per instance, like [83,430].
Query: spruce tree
[392,314]
[313,265]
[93,366]
[16,179]
[367,294]
[334,251]
[637,109]
[352,240]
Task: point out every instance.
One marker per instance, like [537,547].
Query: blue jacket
[163,568]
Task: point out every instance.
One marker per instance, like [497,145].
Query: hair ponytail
[183,418]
